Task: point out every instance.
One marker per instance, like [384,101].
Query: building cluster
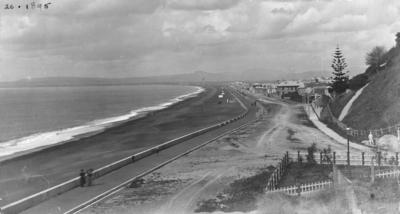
[298,90]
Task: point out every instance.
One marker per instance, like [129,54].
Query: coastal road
[77,196]
[288,119]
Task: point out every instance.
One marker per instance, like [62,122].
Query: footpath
[74,200]
[321,126]
[325,129]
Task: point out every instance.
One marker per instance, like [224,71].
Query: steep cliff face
[379,104]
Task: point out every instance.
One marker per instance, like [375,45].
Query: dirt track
[208,172]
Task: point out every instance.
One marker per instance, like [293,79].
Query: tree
[340,76]
[327,154]
[376,57]
[310,153]
[358,81]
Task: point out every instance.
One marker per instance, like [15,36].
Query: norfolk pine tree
[340,77]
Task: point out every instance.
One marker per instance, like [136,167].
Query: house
[263,88]
[289,87]
[318,91]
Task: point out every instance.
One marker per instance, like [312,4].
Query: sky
[129,38]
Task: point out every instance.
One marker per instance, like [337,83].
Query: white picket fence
[388,174]
[306,188]
[303,188]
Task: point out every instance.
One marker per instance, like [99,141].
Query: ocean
[41,116]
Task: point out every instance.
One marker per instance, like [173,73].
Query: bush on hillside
[370,72]
[376,56]
[323,101]
[358,81]
[337,105]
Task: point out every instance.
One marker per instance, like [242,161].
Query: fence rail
[303,188]
[279,171]
[364,159]
[388,174]
[356,159]
[389,130]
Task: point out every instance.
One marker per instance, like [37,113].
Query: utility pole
[348,146]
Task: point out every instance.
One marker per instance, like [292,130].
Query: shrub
[358,81]
[327,154]
[376,56]
[310,153]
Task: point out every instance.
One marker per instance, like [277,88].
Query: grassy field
[305,173]
[323,202]
[380,197]
[241,195]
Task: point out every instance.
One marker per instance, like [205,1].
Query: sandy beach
[28,174]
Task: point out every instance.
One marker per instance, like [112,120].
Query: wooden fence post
[298,156]
[334,157]
[362,156]
[379,158]
[372,171]
[287,157]
[273,181]
[298,190]
[284,162]
[278,172]
[320,157]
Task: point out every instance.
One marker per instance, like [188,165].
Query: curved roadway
[76,197]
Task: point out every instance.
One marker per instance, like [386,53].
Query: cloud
[117,8]
[137,37]
[346,23]
[282,10]
[14,26]
[201,5]
[304,22]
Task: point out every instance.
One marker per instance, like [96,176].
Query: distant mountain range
[195,77]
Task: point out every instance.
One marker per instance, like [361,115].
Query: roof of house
[291,84]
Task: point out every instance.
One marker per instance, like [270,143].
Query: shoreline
[93,127]
[23,175]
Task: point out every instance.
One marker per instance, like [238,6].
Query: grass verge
[305,173]
[241,195]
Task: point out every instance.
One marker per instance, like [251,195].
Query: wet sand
[31,173]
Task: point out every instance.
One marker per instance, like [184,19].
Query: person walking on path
[89,176]
[82,177]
